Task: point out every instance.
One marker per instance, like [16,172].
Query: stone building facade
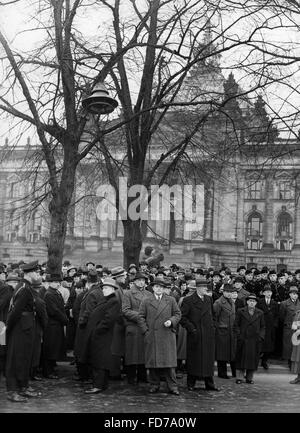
[250,215]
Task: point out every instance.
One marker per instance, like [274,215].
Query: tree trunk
[132,243]
[57,235]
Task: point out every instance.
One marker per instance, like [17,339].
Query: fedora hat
[110,282]
[251,296]
[201,281]
[53,278]
[192,285]
[139,275]
[228,288]
[13,277]
[159,281]
[117,272]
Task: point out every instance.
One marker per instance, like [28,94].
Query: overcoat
[160,342]
[197,319]
[6,293]
[295,357]
[287,311]
[41,320]
[99,333]
[271,315]
[224,311]
[89,302]
[54,346]
[250,332]
[134,340]
[20,334]
[118,343]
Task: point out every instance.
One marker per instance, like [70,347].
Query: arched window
[254,231]
[284,231]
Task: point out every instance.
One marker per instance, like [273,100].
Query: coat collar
[244,311]
[226,304]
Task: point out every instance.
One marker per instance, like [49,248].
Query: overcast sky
[16,17]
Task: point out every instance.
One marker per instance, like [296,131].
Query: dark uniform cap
[30,267]
[90,263]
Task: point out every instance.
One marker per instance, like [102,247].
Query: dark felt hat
[159,281]
[53,278]
[139,275]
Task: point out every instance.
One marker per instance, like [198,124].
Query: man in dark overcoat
[197,319]
[41,319]
[118,343]
[20,337]
[287,311]
[6,292]
[224,311]
[89,301]
[99,336]
[271,315]
[54,345]
[159,315]
[249,327]
[134,340]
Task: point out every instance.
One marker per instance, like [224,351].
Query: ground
[271,393]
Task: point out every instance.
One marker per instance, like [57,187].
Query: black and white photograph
[149,209]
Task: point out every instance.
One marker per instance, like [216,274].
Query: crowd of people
[145,324]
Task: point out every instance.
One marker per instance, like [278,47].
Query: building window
[285,190]
[35,227]
[254,227]
[13,189]
[254,231]
[284,232]
[255,190]
[12,232]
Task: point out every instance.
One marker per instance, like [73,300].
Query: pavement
[271,393]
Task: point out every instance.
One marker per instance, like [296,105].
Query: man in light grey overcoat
[158,318]
[134,340]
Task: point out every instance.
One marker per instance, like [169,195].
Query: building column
[208,212]
[297,219]
[268,236]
